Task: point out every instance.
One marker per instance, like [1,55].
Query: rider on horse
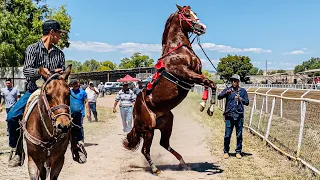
[40,54]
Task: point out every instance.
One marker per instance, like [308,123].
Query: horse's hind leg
[56,168]
[166,130]
[147,141]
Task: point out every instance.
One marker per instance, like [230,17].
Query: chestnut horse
[179,69]
[47,128]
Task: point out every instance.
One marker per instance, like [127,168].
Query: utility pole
[267,71]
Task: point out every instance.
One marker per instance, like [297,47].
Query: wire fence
[286,119]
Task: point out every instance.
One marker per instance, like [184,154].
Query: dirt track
[107,159]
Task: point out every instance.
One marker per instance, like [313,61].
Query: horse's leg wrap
[176,154]
[212,103]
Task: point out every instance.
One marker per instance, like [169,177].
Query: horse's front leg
[34,169]
[56,168]
[212,102]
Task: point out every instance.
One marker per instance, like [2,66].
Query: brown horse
[179,69]
[47,128]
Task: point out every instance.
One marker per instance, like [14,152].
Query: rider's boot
[17,154]
[79,154]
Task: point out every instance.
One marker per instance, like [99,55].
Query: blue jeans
[77,131]
[230,123]
[93,108]
[126,116]
[14,116]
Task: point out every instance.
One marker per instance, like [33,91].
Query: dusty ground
[197,137]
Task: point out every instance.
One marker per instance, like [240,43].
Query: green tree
[281,71]
[254,71]
[21,25]
[260,72]
[234,64]
[207,74]
[107,65]
[76,66]
[90,65]
[313,63]
[135,61]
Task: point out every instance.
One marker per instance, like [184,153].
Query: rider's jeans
[14,116]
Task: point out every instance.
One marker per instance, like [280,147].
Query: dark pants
[14,116]
[77,131]
[230,123]
[93,108]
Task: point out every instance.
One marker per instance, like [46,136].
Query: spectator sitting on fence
[236,97]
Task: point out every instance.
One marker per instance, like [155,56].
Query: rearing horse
[179,69]
[47,128]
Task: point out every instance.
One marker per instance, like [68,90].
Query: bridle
[190,22]
[52,116]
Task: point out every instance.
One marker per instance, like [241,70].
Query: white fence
[286,119]
[290,86]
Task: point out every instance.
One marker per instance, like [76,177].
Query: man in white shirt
[92,94]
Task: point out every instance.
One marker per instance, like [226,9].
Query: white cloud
[223,48]
[77,34]
[256,62]
[130,47]
[207,65]
[296,52]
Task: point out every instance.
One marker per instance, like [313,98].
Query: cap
[74,81]
[235,76]
[52,24]
[90,82]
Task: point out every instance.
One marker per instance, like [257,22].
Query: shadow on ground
[206,167]
[243,154]
[90,144]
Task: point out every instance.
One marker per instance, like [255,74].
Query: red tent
[127,78]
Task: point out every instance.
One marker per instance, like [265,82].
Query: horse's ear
[43,73]
[66,74]
[179,7]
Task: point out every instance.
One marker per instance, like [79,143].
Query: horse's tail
[133,139]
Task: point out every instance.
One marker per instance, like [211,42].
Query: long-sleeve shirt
[38,56]
[126,98]
[232,107]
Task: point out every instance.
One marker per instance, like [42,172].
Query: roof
[311,71]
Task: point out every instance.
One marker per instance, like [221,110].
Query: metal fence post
[281,102]
[267,99]
[303,116]
[270,118]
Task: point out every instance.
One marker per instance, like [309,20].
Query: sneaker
[226,155]
[238,156]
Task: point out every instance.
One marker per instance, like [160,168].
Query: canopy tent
[127,78]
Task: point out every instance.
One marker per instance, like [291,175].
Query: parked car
[115,88]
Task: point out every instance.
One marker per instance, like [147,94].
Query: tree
[135,61]
[76,66]
[281,71]
[260,72]
[236,64]
[207,74]
[107,65]
[254,71]
[90,65]
[21,25]
[313,63]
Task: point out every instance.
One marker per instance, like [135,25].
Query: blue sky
[283,32]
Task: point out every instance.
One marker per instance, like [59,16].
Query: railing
[291,86]
[286,119]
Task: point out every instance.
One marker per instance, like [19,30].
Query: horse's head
[55,96]
[189,20]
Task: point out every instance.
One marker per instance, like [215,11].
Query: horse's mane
[167,27]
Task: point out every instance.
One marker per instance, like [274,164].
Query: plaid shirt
[126,99]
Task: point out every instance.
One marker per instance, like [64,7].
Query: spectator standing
[236,98]
[10,96]
[138,89]
[92,93]
[126,97]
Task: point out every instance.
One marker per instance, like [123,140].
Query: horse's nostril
[60,126]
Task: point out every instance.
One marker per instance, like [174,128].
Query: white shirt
[92,96]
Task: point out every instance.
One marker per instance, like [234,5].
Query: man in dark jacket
[236,98]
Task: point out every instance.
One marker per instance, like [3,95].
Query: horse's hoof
[157,172]
[201,108]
